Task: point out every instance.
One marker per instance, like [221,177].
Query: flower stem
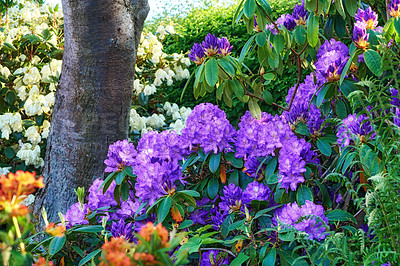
[18,232]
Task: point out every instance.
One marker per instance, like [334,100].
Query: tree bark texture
[93,98]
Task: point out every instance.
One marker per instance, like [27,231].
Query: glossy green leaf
[265,6]
[396,24]
[163,209]
[239,260]
[312,30]
[261,38]
[211,72]
[185,224]
[326,200]
[351,7]
[236,162]
[249,8]
[120,177]
[9,153]
[237,88]
[300,35]
[56,245]
[11,97]
[254,109]
[215,160]
[267,96]
[324,147]
[374,62]
[89,257]
[304,193]
[279,43]
[226,65]
[321,95]
[212,187]
[270,259]
[340,216]
[340,8]
[341,109]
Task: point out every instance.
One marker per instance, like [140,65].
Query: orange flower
[147,230]
[55,230]
[14,188]
[176,215]
[115,252]
[145,259]
[42,262]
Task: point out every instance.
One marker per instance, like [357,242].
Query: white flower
[137,122]
[33,107]
[137,86]
[149,89]
[156,121]
[178,126]
[170,29]
[45,129]
[5,125]
[32,76]
[46,72]
[33,135]
[161,31]
[16,122]
[4,170]
[30,154]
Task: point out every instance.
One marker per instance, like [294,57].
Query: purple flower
[395,98]
[396,118]
[360,35]
[304,92]
[197,54]
[225,47]
[251,166]
[211,45]
[395,8]
[331,59]
[286,20]
[218,258]
[121,229]
[309,218]
[76,215]
[354,127]
[256,191]
[231,201]
[368,16]
[300,15]
[97,199]
[208,127]
[120,154]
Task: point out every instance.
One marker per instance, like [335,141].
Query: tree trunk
[93,98]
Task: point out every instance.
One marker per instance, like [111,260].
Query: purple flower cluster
[354,127]
[218,259]
[251,165]
[331,59]
[360,35]
[300,15]
[256,191]
[76,215]
[300,113]
[309,218]
[305,91]
[97,199]
[121,229]
[208,127]
[368,16]
[290,21]
[120,154]
[157,165]
[210,47]
[395,8]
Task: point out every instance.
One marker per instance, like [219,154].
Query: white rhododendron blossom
[30,154]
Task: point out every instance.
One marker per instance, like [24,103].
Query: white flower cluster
[177,117]
[166,67]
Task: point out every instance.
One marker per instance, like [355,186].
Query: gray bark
[93,98]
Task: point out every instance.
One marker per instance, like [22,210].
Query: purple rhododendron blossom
[120,154]
[121,229]
[251,165]
[395,8]
[300,15]
[218,260]
[211,45]
[331,59]
[309,218]
[368,16]
[256,191]
[76,215]
[208,127]
[197,54]
[97,199]
[360,35]
[231,201]
[354,127]
[225,47]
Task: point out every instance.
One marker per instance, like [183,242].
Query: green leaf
[89,257]
[185,224]
[341,109]
[374,62]
[89,229]
[236,162]
[265,6]
[267,96]
[212,187]
[226,65]
[11,97]
[56,245]
[340,216]
[163,209]
[129,171]
[246,49]
[340,8]
[192,193]
[321,95]
[351,6]
[312,30]
[211,72]
[225,225]
[326,200]
[304,193]
[120,177]
[234,178]
[347,87]
[270,167]
[300,35]
[346,67]
[9,153]
[324,147]
[261,38]
[237,88]
[279,43]
[270,258]
[239,260]
[125,191]
[254,109]
[249,8]
[396,23]
[215,160]
[302,129]
[9,46]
